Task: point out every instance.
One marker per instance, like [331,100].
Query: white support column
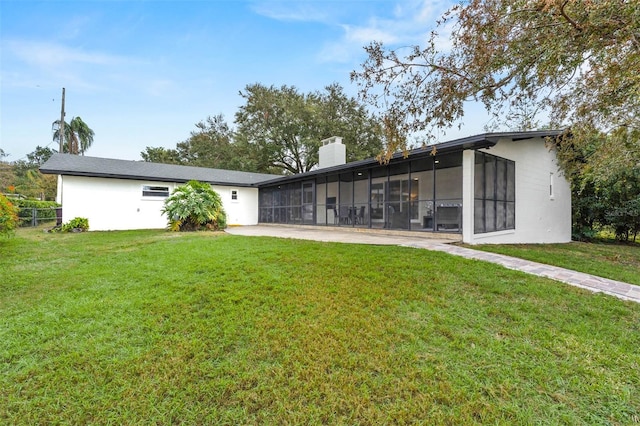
[468,185]
[59,190]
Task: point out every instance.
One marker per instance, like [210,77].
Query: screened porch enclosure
[423,194]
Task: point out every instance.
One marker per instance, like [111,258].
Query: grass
[606,259]
[148,327]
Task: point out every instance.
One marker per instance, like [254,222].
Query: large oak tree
[285,127]
[577,59]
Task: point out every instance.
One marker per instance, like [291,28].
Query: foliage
[7,177]
[24,178]
[286,127]
[77,224]
[214,145]
[576,59]
[194,206]
[279,130]
[40,155]
[622,198]
[45,210]
[155,328]
[78,136]
[601,200]
[160,155]
[27,180]
[8,216]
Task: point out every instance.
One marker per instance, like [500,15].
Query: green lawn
[148,327]
[605,259]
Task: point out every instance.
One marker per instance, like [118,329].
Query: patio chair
[345,217]
[360,216]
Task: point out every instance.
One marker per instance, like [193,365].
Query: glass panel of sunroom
[332,199]
[345,207]
[378,197]
[478,216]
[511,181]
[321,200]
[397,207]
[422,182]
[361,198]
[448,192]
[478,176]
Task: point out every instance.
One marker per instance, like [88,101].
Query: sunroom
[466,186]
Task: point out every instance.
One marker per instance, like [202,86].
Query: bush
[8,216]
[77,224]
[194,206]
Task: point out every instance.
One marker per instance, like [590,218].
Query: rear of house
[489,188]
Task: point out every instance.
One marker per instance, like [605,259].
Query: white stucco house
[120,194]
[488,188]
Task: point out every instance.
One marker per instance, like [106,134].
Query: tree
[612,202]
[78,136]
[276,121]
[27,180]
[578,59]
[285,127]
[213,145]
[40,155]
[340,115]
[160,155]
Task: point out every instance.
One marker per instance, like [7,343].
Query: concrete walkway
[578,279]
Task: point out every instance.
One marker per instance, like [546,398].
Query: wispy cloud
[405,24]
[300,11]
[53,55]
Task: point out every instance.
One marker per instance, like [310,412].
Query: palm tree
[78,137]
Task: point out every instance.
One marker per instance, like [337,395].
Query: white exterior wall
[540,217]
[244,210]
[118,204]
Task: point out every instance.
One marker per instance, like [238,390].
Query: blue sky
[142,73]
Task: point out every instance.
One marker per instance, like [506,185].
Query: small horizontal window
[155,191]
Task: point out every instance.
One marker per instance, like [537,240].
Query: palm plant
[194,206]
[78,136]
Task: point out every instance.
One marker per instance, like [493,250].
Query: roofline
[138,177]
[484,140]
[111,168]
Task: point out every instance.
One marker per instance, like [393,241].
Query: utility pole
[61,127]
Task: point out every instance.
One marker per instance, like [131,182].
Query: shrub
[194,206]
[77,224]
[8,216]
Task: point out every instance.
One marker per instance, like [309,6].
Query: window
[155,191]
[234,195]
[494,204]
